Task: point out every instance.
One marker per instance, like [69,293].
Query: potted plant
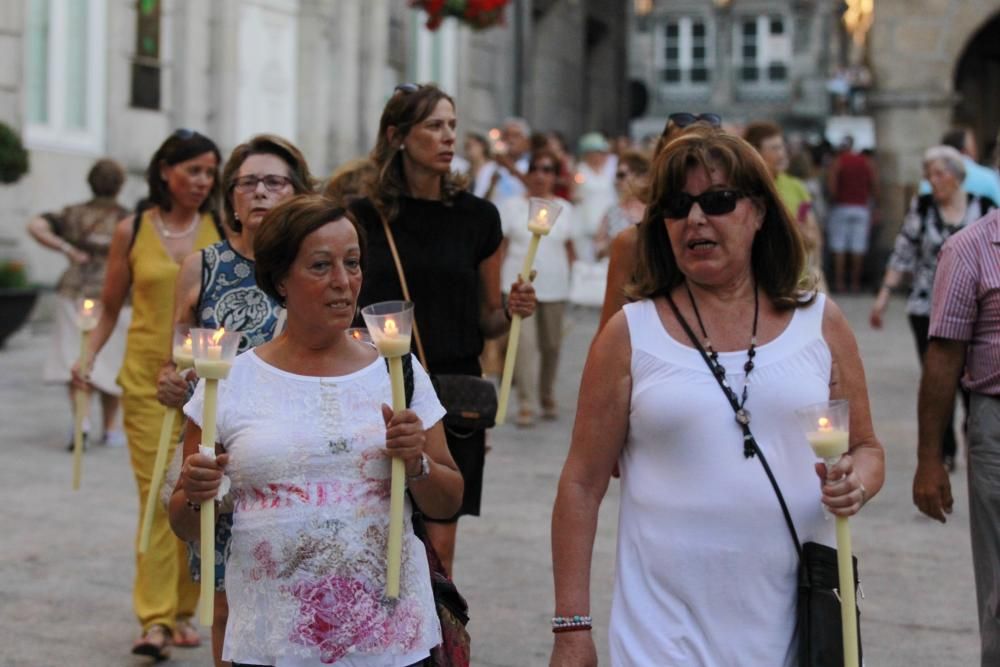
[16,297]
[477,14]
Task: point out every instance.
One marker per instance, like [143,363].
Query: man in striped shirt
[965,335]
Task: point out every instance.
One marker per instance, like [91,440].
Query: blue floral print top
[230,297]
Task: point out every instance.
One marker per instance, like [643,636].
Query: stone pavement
[66,560]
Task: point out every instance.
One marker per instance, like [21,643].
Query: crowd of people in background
[439,219]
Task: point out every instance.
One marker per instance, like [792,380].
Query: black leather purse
[818,620]
[470,402]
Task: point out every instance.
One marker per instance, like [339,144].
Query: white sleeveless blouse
[706,567]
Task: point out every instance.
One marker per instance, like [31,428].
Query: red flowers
[477,14]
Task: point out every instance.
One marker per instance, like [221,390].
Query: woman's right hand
[878,309]
[78,380]
[573,649]
[171,387]
[201,476]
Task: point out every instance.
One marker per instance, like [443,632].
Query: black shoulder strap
[140,210]
[407,377]
[750,447]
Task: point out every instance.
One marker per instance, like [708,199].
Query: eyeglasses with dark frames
[712,202]
[683,119]
[272,183]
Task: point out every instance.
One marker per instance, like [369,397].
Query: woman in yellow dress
[145,257]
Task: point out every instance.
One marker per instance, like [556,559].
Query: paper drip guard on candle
[88,313]
[542,215]
[389,325]
[183,357]
[214,352]
[827,427]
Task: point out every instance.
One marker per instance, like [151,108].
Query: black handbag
[470,402]
[818,620]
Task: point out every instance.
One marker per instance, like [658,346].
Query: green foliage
[13,274]
[13,156]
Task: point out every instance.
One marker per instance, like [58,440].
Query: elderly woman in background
[307,433]
[538,358]
[216,288]
[448,242]
[82,233]
[146,252]
[594,189]
[719,256]
[630,181]
[931,220]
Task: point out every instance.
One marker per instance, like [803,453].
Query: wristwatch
[425,470]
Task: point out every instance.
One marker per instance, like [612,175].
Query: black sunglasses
[683,119]
[621,175]
[406,88]
[713,202]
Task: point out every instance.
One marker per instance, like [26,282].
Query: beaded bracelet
[571,623]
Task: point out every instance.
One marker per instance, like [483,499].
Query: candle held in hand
[88,315]
[826,441]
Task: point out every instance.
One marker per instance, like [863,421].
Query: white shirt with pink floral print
[305,573]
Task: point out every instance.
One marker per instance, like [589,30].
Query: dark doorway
[977,80]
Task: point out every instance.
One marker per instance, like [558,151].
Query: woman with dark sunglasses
[448,242]
[144,259]
[216,288]
[538,355]
[683,389]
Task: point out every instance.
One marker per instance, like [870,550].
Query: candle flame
[187,342]
[824,424]
[217,336]
[390,327]
[494,134]
[542,215]
[579,178]
[88,306]
[356,335]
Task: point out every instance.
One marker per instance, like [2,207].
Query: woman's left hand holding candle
[201,477]
[522,300]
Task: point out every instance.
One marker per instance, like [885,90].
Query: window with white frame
[763,50]
[683,55]
[65,66]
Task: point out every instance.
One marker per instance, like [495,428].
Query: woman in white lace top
[307,431]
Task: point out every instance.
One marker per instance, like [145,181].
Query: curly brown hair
[408,106]
[777,254]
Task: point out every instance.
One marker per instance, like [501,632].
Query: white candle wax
[828,444]
[183,356]
[213,369]
[393,346]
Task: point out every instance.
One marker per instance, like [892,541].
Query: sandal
[185,634]
[155,643]
[525,418]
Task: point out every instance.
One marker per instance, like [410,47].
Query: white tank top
[706,567]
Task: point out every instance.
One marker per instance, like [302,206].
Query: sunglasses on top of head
[683,119]
[712,202]
[406,88]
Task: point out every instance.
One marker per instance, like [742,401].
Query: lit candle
[389,324]
[542,215]
[87,317]
[183,356]
[213,360]
[830,443]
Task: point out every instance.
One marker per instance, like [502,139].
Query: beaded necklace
[742,414]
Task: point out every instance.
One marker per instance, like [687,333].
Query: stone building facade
[743,59]
[82,79]
[936,64]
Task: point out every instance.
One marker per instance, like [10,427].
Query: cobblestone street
[66,558]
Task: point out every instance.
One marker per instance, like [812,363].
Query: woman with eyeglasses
[706,572]
[448,243]
[622,252]
[538,355]
[144,259]
[217,288]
